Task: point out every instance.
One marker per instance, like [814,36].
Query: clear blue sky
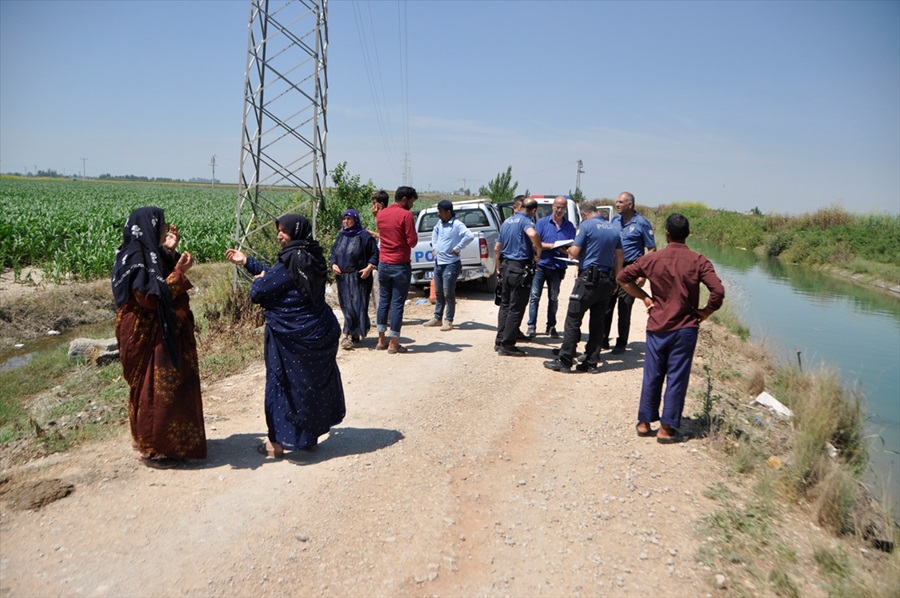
[788,106]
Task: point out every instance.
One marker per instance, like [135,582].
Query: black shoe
[581,357]
[522,337]
[618,349]
[604,346]
[557,366]
[552,332]
[511,351]
[588,368]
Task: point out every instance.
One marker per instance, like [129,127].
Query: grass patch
[808,467]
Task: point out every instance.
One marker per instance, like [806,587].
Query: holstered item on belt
[527,275]
[593,274]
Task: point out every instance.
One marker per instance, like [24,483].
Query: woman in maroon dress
[155,330]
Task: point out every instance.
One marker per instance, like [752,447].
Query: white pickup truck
[483,219]
[545,208]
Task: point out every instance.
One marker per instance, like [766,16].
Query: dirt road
[456,472]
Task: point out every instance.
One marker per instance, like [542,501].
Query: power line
[375,81]
[404,84]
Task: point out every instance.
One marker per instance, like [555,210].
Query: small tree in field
[347,192]
[501,188]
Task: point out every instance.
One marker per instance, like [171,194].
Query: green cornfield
[71,228]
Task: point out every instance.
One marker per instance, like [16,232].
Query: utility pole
[212,162]
[578,177]
[83,168]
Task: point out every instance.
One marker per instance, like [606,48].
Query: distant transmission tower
[578,177]
[282,167]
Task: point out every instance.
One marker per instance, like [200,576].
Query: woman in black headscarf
[304,393]
[354,257]
[155,330]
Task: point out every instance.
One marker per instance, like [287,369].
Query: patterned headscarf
[303,256]
[357,225]
[141,265]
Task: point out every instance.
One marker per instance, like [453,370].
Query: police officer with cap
[598,248]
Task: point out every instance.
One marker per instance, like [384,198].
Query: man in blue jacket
[449,238]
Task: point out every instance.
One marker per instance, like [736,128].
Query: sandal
[675,438]
[346,343]
[637,428]
[263,449]
[380,347]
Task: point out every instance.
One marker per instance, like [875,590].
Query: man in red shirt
[397,232]
[675,274]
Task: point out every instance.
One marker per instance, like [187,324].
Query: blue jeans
[553,278]
[445,276]
[393,280]
[668,356]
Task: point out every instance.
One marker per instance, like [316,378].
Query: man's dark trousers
[625,303]
[590,294]
[516,291]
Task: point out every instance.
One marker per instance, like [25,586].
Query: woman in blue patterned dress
[304,393]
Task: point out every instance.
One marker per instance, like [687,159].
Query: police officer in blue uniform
[517,249]
[598,248]
[637,237]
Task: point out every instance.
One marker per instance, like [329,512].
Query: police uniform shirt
[514,243]
[637,236]
[598,240]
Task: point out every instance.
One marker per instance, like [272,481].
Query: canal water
[829,321]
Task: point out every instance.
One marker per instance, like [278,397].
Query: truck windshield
[472,218]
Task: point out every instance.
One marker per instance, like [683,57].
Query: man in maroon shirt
[397,232]
[675,274]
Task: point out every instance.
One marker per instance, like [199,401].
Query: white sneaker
[448,325]
[433,322]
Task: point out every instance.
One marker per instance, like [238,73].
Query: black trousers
[516,290]
[591,295]
[625,302]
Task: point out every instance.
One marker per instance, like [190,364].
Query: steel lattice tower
[283,128]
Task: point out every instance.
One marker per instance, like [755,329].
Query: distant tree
[348,192]
[501,188]
[755,211]
[578,196]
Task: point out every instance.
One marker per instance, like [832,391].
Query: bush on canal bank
[830,238]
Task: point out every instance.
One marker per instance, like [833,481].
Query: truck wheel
[490,283]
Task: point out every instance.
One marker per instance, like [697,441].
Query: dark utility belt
[594,273]
[522,262]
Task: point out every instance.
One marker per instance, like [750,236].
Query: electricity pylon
[282,167]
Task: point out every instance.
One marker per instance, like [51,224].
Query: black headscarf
[142,265]
[303,256]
